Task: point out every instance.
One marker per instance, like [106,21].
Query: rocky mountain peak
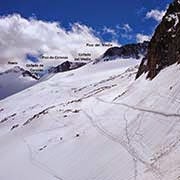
[66,66]
[21,71]
[135,51]
[15,69]
[164,47]
[128,51]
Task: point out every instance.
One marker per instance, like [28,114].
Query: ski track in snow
[141,109]
[125,144]
[39,164]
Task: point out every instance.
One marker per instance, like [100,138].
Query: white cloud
[125,31]
[155,14]
[127,28]
[141,38]
[20,36]
[126,36]
[107,30]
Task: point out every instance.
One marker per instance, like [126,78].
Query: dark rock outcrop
[128,51]
[164,47]
[66,66]
[26,73]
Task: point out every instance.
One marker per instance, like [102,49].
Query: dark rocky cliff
[164,47]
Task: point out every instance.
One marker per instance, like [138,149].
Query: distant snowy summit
[164,47]
[134,51]
[21,71]
[14,80]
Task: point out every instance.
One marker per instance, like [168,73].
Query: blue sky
[100,15]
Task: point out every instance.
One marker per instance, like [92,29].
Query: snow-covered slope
[93,123]
[15,80]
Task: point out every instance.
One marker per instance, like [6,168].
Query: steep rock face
[164,47]
[128,51]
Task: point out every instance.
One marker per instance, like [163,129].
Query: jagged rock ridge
[135,51]
[66,66]
[128,51]
[164,47]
